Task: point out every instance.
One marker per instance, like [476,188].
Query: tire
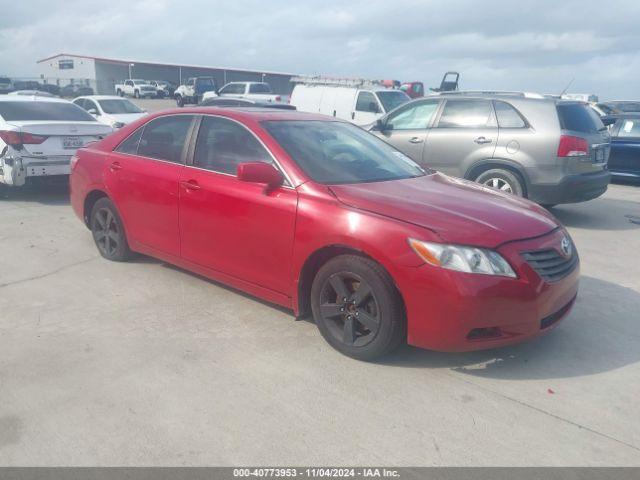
[136,94]
[503,180]
[180,101]
[367,325]
[121,93]
[108,231]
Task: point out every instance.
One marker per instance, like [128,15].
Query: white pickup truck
[136,88]
[258,91]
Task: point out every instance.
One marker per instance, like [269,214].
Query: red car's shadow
[600,335]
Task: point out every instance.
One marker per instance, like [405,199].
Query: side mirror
[260,172]
[93,111]
[608,121]
[379,126]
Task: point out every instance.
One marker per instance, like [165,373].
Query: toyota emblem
[565,247]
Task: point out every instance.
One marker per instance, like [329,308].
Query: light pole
[131,65]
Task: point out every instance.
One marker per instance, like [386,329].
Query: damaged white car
[39,135]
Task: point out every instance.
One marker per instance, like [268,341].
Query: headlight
[117,124]
[462,259]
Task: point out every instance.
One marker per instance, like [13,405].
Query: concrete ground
[141,363]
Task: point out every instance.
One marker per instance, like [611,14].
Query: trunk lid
[63,137]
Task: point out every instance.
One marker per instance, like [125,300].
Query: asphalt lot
[145,364]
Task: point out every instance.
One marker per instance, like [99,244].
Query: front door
[237,228]
[407,128]
[465,133]
[367,108]
[142,178]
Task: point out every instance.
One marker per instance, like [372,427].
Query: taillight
[31,139]
[17,139]
[278,98]
[572,146]
[11,138]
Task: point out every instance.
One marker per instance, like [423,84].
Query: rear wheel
[180,101]
[121,93]
[357,308]
[503,180]
[108,231]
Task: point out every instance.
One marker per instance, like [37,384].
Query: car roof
[31,98]
[102,97]
[250,113]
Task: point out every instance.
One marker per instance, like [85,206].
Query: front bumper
[454,311]
[572,189]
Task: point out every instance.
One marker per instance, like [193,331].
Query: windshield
[337,152]
[55,111]
[579,117]
[118,106]
[628,107]
[392,98]
[259,88]
[140,82]
[205,82]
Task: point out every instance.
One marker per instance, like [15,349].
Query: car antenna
[567,87]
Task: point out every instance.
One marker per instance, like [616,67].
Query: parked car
[6,85]
[50,88]
[413,89]
[38,136]
[548,150]
[25,85]
[259,91]
[624,161]
[163,88]
[31,93]
[75,90]
[357,101]
[135,88]
[111,110]
[194,89]
[317,215]
[619,106]
[243,102]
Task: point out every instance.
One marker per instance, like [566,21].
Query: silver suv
[549,150]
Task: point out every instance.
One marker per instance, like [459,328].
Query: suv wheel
[357,307]
[180,101]
[108,231]
[503,180]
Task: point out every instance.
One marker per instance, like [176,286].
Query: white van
[356,102]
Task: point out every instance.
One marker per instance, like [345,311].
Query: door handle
[416,140]
[190,185]
[115,166]
[482,140]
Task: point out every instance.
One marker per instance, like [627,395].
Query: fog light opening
[484,333]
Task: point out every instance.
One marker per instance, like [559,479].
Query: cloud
[533,45]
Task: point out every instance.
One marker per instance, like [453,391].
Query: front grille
[550,264]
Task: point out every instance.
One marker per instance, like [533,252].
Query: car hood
[457,210]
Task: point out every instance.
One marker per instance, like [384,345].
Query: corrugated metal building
[103,73]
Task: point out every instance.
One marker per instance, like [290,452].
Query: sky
[536,46]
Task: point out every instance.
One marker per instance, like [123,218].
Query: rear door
[625,147]
[230,226]
[142,177]
[465,132]
[407,127]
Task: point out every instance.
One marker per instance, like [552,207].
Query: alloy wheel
[499,184]
[106,232]
[349,309]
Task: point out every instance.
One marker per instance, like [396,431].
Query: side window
[189,82]
[226,89]
[414,117]
[223,144]
[234,88]
[367,103]
[467,114]
[89,104]
[129,83]
[164,138]
[81,103]
[130,145]
[508,116]
[629,128]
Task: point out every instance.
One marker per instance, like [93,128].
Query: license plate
[72,142]
[599,155]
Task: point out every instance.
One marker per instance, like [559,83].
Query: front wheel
[108,231]
[357,307]
[180,101]
[503,180]
[136,94]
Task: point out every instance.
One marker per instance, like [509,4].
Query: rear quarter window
[578,117]
[38,110]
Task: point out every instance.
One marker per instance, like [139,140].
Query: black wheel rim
[106,232]
[349,309]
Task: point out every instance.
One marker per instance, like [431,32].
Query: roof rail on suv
[493,92]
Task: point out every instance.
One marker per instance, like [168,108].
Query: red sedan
[322,217]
